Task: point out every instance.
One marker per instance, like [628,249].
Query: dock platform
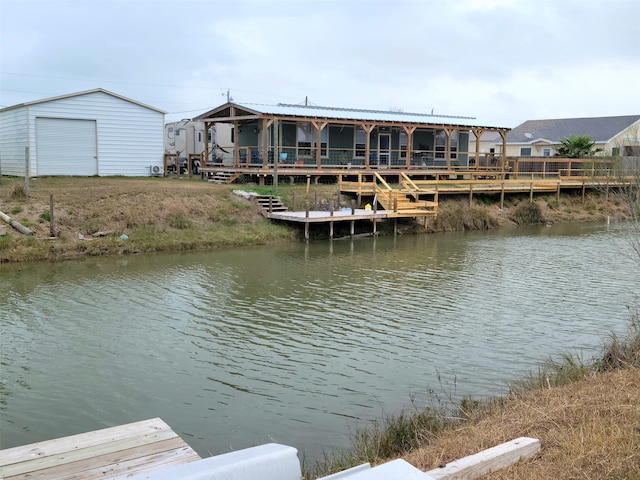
[111,453]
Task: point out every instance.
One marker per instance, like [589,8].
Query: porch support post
[503,134]
[319,126]
[447,146]
[266,140]
[368,128]
[236,150]
[478,134]
[262,126]
[408,130]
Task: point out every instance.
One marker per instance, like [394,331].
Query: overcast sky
[501,61]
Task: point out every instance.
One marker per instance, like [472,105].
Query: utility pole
[276,152]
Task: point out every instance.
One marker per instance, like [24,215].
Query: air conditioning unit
[156,171]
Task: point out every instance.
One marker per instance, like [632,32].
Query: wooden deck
[112,453]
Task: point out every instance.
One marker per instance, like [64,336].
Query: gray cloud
[504,61]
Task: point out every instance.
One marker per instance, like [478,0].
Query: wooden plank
[120,450]
[79,452]
[88,439]
[123,463]
[488,460]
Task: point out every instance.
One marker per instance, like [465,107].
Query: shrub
[19,191]
[461,217]
[622,352]
[528,214]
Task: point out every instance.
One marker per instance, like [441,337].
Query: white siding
[129,135]
[13,141]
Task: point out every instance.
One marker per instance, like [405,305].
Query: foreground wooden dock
[150,450]
[110,453]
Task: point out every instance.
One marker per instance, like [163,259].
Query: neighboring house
[319,137]
[617,136]
[187,137]
[89,133]
[489,142]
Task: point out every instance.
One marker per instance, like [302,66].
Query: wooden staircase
[270,204]
[407,200]
[224,177]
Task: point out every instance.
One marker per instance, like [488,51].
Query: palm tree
[577,146]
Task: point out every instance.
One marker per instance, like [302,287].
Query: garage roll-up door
[66,147]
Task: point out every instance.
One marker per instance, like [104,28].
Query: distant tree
[577,146]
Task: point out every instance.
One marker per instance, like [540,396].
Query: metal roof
[87,92]
[599,129]
[336,113]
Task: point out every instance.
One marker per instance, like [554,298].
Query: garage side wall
[129,136]
[13,141]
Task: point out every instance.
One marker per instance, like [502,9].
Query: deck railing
[425,161]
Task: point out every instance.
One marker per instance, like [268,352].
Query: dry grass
[156,215]
[180,214]
[588,429]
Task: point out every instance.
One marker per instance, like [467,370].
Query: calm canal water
[299,344]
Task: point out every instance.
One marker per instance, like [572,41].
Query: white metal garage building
[82,134]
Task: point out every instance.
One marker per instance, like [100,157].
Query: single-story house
[325,137]
[89,133]
[614,136]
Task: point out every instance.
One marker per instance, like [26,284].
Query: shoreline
[125,216]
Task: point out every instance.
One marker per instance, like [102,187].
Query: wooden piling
[52,228]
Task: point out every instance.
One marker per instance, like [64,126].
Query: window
[440,143]
[360,139]
[546,152]
[615,151]
[525,151]
[304,138]
[403,145]
[209,136]
[631,151]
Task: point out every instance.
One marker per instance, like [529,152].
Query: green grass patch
[180,222]
[392,437]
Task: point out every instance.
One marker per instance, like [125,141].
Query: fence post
[52,229]
[26,171]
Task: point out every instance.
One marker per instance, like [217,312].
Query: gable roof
[337,113]
[77,94]
[599,129]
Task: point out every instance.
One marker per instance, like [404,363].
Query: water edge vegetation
[91,215]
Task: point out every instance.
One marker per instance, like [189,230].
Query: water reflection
[293,344]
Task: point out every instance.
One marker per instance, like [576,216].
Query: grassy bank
[155,214]
[92,214]
[586,415]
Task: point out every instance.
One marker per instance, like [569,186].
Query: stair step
[276,205]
